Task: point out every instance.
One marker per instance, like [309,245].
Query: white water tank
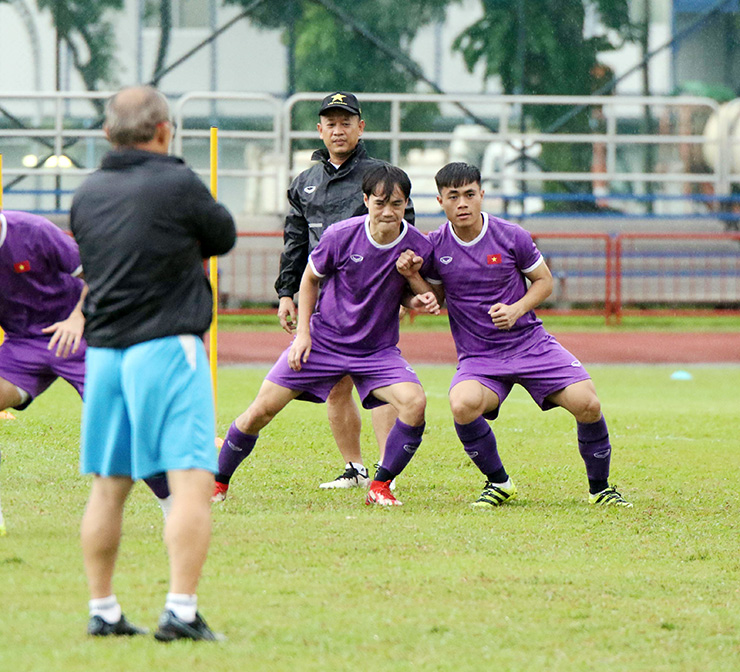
[728,115]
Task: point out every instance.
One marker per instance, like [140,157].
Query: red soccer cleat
[380,493]
[219,492]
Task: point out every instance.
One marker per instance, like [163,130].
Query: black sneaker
[172,628]
[98,627]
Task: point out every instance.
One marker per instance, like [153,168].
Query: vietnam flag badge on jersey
[493,259]
[22,266]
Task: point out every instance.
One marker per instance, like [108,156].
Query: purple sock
[595,448]
[158,485]
[236,448]
[402,442]
[480,444]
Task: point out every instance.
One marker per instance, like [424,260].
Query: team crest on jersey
[22,266]
[445,260]
[493,259]
[357,258]
[310,189]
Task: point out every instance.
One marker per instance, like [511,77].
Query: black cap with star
[342,101]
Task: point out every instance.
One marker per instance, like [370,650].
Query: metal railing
[259,162]
[594,273]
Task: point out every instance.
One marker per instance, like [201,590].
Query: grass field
[553,322]
[303,579]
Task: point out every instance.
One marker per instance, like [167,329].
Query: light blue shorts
[147,409]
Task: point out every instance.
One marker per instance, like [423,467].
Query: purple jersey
[357,310]
[489,269]
[37,265]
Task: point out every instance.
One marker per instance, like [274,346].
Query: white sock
[106,607]
[166,505]
[184,606]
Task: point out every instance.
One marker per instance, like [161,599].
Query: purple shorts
[542,370]
[26,363]
[325,369]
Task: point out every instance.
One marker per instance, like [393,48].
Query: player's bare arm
[67,334]
[307,297]
[505,316]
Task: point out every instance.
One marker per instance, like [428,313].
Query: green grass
[553,322]
[303,579]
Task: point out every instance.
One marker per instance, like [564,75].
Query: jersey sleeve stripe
[534,265]
[313,268]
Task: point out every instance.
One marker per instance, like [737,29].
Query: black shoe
[98,627]
[172,628]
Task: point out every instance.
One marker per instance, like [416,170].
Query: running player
[354,329]
[483,264]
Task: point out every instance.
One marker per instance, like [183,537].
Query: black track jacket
[144,222]
[320,196]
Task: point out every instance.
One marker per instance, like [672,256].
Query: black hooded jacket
[144,223]
[320,196]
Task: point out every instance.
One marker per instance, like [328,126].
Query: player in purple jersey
[40,310]
[41,314]
[483,264]
[353,329]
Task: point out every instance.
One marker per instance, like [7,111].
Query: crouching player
[40,310]
[483,264]
[353,330]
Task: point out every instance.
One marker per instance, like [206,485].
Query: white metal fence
[674,169]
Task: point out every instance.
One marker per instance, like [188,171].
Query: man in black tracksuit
[329,191]
[143,223]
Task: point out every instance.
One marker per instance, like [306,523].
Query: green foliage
[330,55]
[304,579]
[557,60]
[83,26]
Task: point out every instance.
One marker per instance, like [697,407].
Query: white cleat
[354,476]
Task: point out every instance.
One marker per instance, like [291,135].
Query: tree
[329,55]
[539,47]
[82,26]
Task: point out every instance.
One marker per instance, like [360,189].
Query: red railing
[594,272]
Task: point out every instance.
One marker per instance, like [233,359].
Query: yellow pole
[213,271]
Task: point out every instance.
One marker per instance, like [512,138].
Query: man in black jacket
[143,223]
[329,191]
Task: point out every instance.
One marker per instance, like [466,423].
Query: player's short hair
[455,175]
[381,180]
[133,114]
